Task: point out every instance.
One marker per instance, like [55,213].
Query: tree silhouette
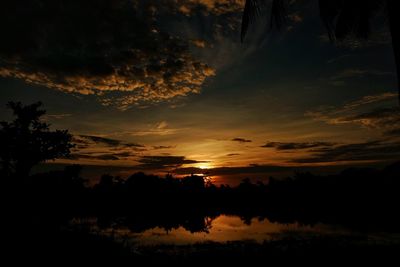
[342,18]
[27,141]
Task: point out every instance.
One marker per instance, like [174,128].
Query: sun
[204,166]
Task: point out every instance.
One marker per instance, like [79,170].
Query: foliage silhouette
[27,141]
[361,199]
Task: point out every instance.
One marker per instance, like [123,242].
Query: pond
[223,228]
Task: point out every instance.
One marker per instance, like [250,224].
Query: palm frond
[352,17]
[250,13]
[329,10]
[279,13]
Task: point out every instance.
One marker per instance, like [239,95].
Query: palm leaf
[279,13]
[250,13]
[352,17]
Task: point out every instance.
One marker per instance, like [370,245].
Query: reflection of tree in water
[141,223]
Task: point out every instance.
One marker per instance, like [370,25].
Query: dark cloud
[356,73]
[370,99]
[363,112]
[359,73]
[56,116]
[379,118]
[382,119]
[113,49]
[367,151]
[123,154]
[162,147]
[101,155]
[296,146]
[232,154]
[251,169]
[133,145]
[87,139]
[162,162]
[90,147]
[106,157]
[393,132]
[100,140]
[241,140]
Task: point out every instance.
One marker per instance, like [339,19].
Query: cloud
[296,146]
[56,116]
[363,112]
[111,49]
[97,140]
[162,147]
[339,58]
[159,128]
[123,154]
[378,118]
[241,140]
[87,139]
[215,7]
[367,151]
[393,132]
[371,99]
[101,155]
[359,73]
[220,171]
[105,157]
[134,145]
[232,154]
[97,148]
[296,18]
[199,43]
[163,162]
[351,73]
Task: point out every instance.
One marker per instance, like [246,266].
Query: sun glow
[204,166]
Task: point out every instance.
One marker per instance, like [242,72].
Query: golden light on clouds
[217,7]
[143,60]
[122,59]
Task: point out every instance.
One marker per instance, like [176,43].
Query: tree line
[360,198]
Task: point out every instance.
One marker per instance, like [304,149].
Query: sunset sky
[166,86]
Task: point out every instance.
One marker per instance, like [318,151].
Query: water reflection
[223,228]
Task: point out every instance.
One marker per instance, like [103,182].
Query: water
[223,228]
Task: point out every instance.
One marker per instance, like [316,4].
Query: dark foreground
[63,247]
[39,208]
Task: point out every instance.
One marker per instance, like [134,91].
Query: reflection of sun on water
[225,228]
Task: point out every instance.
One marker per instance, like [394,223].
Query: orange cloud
[122,58]
[217,7]
[362,112]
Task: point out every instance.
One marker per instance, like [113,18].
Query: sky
[167,87]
